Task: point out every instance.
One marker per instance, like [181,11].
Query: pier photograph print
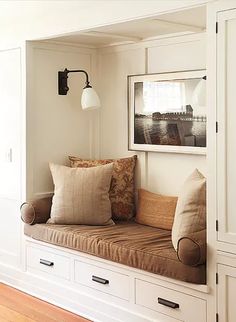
[167,112]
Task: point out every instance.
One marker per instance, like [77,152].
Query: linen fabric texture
[155,210]
[81,195]
[122,194]
[190,214]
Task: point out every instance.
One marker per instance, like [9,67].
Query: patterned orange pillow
[122,183]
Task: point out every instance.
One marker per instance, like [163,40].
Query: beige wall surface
[57,125]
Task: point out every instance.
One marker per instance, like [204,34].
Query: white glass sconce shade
[90,99]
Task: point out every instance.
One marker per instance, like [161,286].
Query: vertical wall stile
[146,153]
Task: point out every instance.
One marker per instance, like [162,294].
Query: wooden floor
[16,306]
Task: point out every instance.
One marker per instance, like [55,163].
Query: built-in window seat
[126,242]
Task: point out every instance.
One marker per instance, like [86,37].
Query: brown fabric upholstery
[36,211]
[192,248]
[128,243]
[155,210]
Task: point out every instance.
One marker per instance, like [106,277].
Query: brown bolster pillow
[192,248]
[36,211]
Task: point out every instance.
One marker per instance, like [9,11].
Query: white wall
[10,155]
[56,126]
[158,172]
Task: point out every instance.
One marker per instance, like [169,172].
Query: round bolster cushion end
[36,211]
[192,248]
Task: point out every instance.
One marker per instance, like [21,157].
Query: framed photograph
[167,112]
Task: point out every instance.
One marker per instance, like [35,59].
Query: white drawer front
[102,279]
[48,262]
[178,305]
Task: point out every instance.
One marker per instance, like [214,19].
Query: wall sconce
[89,98]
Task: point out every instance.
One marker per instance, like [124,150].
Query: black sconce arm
[62,80]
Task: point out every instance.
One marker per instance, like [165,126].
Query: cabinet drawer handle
[100,280]
[170,304]
[45,262]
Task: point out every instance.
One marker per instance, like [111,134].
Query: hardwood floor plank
[11,315]
[18,304]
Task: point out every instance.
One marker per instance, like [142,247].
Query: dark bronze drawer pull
[100,280]
[170,304]
[45,262]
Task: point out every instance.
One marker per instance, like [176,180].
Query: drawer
[172,303]
[48,262]
[102,279]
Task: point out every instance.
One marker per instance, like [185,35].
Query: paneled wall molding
[60,47]
[155,171]
[155,42]
[66,128]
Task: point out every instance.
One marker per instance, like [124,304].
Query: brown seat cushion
[155,210]
[122,183]
[128,243]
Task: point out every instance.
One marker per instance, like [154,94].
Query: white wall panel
[10,118]
[167,171]
[114,68]
[10,232]
[172,169]
[10,155]
[57,125]
[183,54]
[158,172]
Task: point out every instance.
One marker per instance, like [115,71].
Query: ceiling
[185,21]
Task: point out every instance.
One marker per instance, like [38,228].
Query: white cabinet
[47,262]
[226,293]
[226,115]
[226,162]
[104,280]
[169,302]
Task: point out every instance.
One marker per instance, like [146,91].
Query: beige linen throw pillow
[122,183]
[81,195]
[190,213]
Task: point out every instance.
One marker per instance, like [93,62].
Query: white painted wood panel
[57,126]
[10,232]
[179,56]
[191,309]
[60,266]
[118,302]
[10,123]
[226,114]
[10,155]
[155,171]
[226,293]
[114,68]
[171,170]
[118,284]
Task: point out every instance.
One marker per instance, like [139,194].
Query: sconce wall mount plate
[62,83]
